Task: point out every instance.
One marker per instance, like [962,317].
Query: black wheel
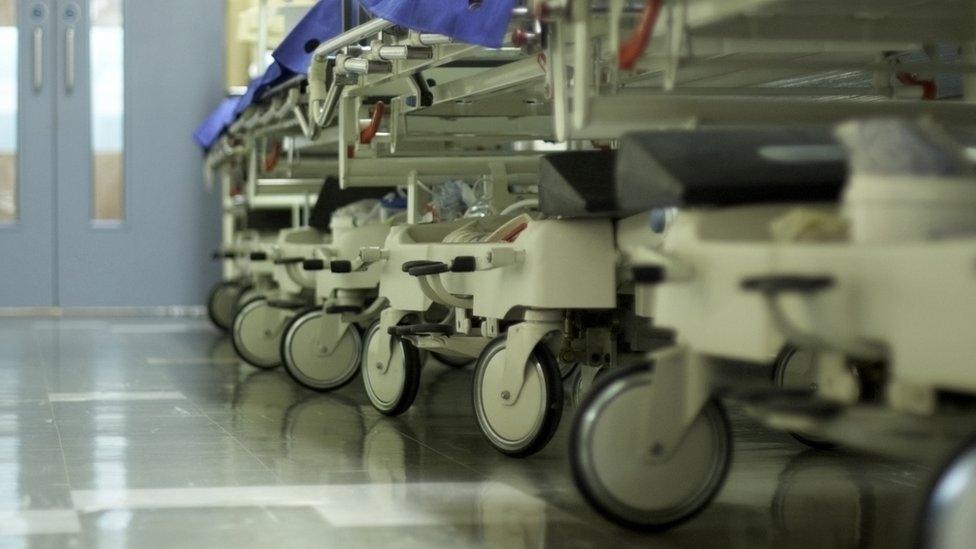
[795,368]
[257,333]
[222,304]
[457,362]
[619,479]
[950,503]
[391,387]
[525,427]
[312,365]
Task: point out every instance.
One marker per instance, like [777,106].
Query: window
[108,111]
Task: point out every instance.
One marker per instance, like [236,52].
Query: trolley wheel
[794,368]
[583,382]
[950,503]
[567,371]
[391,392]
[523,428]
[313,366]
[257,334]
[456,362]
[616,476]
[247,294]
[222,304]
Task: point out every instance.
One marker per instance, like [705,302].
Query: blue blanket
[292,56]
[483,23]
[215,124]
[291,59]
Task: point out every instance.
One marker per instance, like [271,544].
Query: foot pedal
[340,309]
[286,304]
[422,329]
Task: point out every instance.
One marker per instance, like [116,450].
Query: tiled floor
[145,433]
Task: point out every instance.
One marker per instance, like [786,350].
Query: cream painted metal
[885,311]
[713,62]
[322,347]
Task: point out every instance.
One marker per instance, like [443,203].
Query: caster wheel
[457,362]
[583,381]
[222,304]
[391,392]
[246,295]
[618,478]
[525,427]
[950,504]
[313,366]
[257,334]
[796,369]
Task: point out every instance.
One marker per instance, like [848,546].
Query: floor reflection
[249,458]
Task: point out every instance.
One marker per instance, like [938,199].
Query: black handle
[464,264]
[649,274]
[430,269]
[259,256]
[224,255]
[289,260]
[313,265]
[426,96]
[803,284]
[341,266]
[411,264]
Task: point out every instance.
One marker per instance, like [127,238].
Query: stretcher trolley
[258,152]
[857,287]
[494,281]
[754,274]
[321,347]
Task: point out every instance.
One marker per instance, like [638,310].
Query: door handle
[69,60]
[38,59]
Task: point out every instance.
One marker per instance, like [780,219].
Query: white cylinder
[899,208]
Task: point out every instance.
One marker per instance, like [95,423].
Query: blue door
[106,206]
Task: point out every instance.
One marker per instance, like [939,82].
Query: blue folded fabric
[273,76]
[215,124]
[322,22]
[483,23]
[292,56]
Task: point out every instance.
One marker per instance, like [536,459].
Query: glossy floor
[145,433]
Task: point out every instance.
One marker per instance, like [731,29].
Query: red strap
[631,50]
[369,132]
[930,91]
[271,161]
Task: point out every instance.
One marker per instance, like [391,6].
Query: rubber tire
[248,294]
[235,338]
[583,481]
[212,312]
[411,376]
[553,410]
[297,375]
[947,492]
[779,370]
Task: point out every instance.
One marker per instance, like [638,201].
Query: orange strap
[369,132]
[631,50]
